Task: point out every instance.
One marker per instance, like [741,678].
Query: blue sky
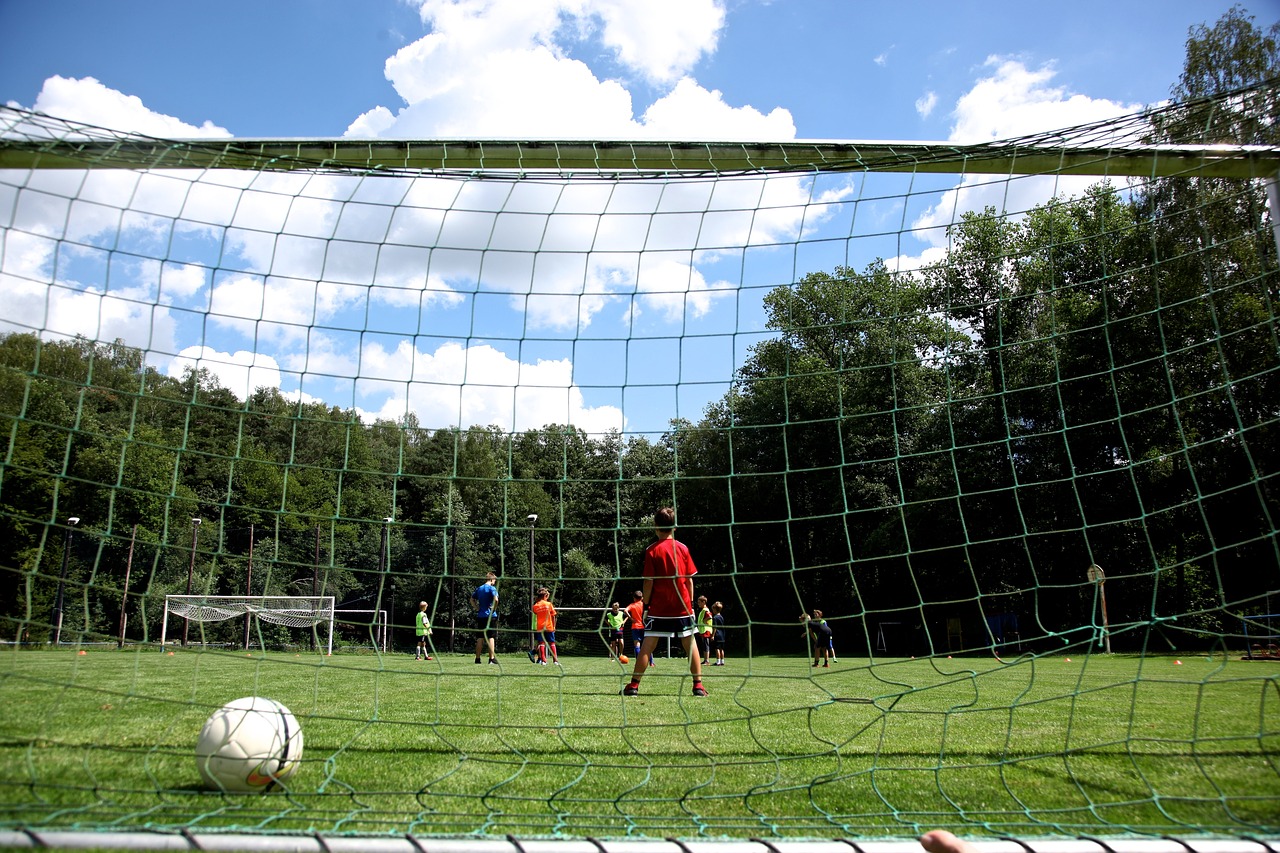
[642,299]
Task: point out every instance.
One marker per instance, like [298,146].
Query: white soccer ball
[250,744]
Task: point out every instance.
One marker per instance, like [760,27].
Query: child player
[544,612]
[613,619]
[635,614]
[823,643]
[668,593]
[704,631]
[422,626]
[717,637]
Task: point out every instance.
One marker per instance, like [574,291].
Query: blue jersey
[486,597]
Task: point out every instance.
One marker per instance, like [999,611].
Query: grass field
[1037,746]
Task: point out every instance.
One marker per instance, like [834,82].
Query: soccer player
[635,612]
[485,602]
[823,643]
[668,594]
[544,612]
[705,630]
[422,626]
[614,618]
[717,637]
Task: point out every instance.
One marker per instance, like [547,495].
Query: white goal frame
[272,608]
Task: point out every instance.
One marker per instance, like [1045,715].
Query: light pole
[533,638]
[124,591]
[191,571]
[62,580]
[248,588]
[1099,579]
[382,568]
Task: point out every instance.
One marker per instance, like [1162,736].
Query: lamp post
[248,588]
[533,638]
[382,567]
[1099,579]
[315,582]
[191,571]
[124,590]
[62,580]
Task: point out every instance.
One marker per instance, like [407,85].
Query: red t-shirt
[670,565]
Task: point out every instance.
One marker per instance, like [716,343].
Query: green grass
[1038,746]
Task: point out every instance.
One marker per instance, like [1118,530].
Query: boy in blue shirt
[485,602]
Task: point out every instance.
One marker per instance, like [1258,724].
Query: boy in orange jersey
[544,614]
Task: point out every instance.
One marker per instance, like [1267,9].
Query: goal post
[293,611]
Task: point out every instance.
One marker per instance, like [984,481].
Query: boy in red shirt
[668,594]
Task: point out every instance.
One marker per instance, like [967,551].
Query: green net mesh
[1007,415]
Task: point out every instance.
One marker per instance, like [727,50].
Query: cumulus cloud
[502,68]
[1012,101]
[88,100]
[240,372]
[1016,100]
[476,384]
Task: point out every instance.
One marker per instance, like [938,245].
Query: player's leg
[690,645]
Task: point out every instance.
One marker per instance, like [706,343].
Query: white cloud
[1015,101]
[925,103]
[240,372]
[89,101]
[502,68]
[35,301]
[478,384]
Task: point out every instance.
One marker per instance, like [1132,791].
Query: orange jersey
[635,610]
[545,613]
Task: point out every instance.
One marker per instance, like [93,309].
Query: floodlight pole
[532,518]
[191,571]
[383,542]
[315,582]
[1099,579]
[62,580]
[124,591]
[248,588]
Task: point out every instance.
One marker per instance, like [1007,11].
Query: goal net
[975,449]
[290,611]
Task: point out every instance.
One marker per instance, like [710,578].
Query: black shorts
[486,626]
[670,626]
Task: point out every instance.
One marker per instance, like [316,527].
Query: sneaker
[815,663]
[477,660]
[533,655]
[542,663]
[631,690]
[556,662]
[825,665]
[428,657]
[699,690]
[491,660]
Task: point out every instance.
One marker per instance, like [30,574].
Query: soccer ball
[623,659]
[250,744]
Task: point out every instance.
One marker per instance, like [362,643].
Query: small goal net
[294,611]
